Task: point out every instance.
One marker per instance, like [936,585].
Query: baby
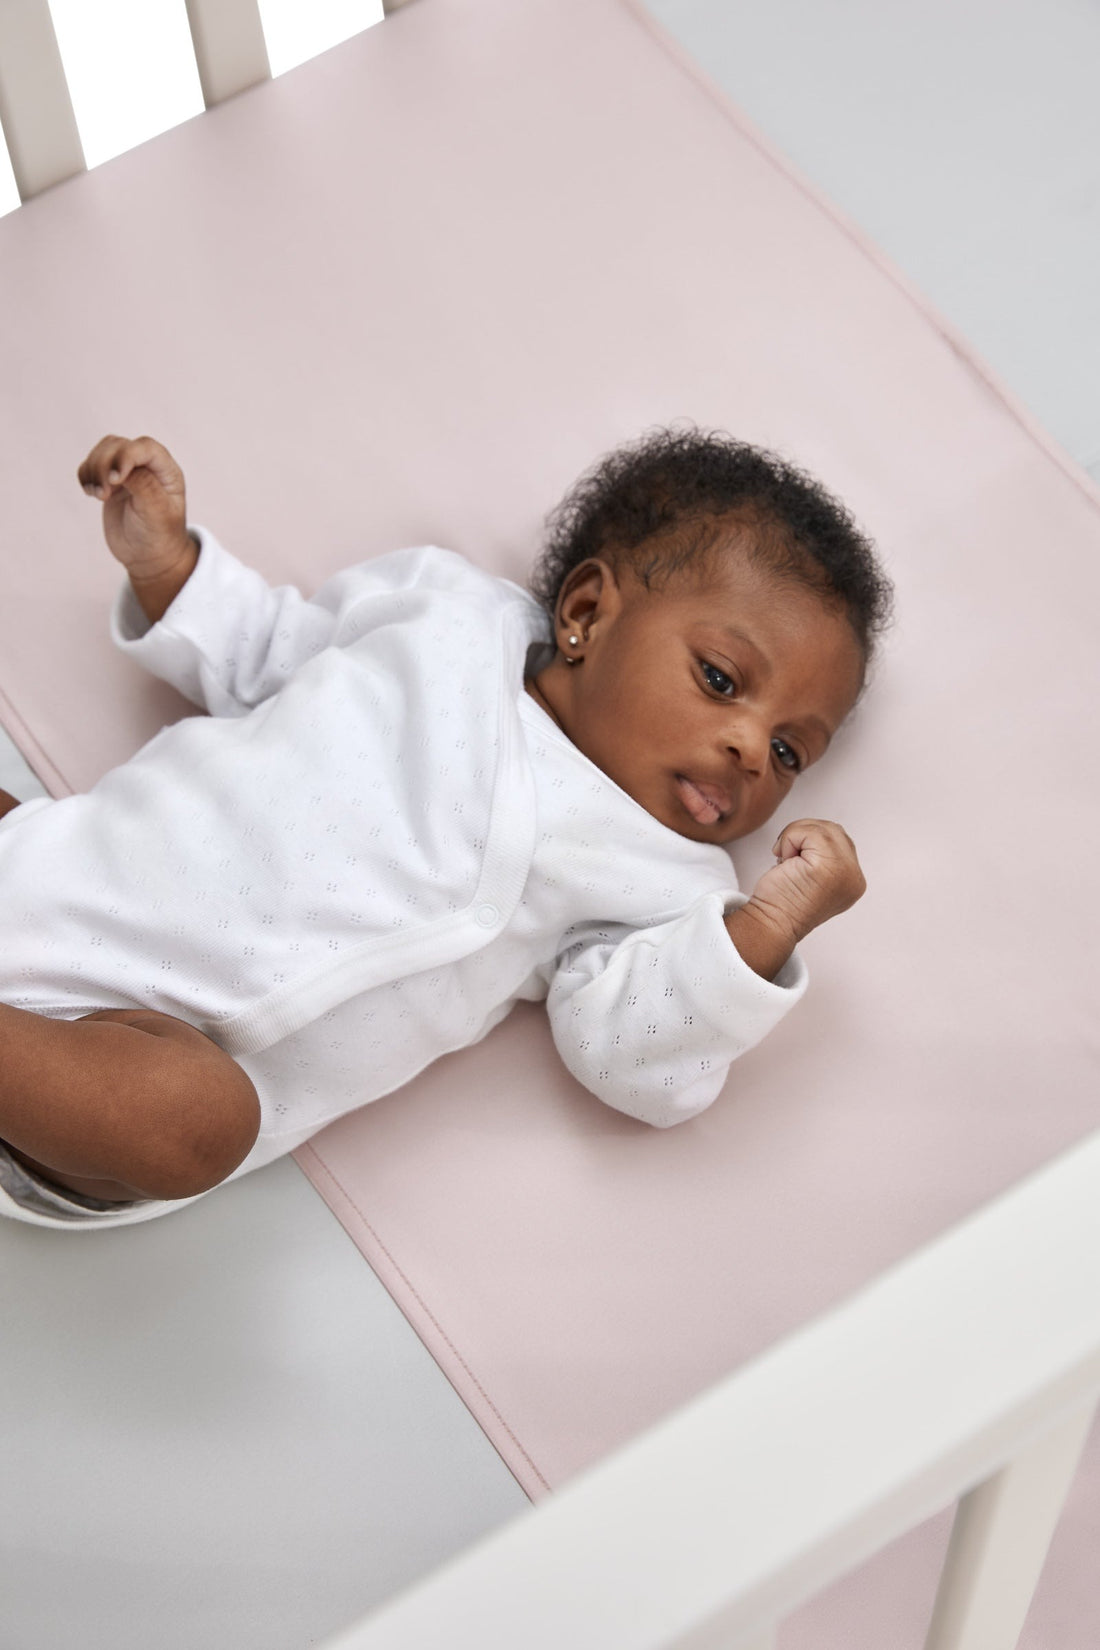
[419,797]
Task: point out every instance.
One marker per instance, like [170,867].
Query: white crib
[970,1371]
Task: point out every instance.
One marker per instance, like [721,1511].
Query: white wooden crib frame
[971,1371]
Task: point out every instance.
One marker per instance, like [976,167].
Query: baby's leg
[123,1103]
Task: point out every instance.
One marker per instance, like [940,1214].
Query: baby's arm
[816,876]
[220,634]
[651,1019]
[144,502]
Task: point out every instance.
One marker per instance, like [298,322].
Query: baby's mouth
[705,803]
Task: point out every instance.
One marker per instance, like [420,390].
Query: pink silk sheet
[405,294]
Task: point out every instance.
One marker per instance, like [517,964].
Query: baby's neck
[531,683]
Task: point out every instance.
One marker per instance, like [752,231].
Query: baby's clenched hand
[144,505]
[816,876]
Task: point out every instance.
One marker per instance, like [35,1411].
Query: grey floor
[964,137]
[217,1429]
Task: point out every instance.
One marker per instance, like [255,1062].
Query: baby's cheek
[764,804]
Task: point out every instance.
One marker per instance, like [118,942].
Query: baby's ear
[590,592]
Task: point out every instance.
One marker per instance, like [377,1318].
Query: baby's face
[704,699]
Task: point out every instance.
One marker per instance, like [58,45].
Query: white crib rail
[230,48]
[36,113]
[972,1368]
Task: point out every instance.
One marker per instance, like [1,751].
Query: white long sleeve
[651,1019]
[230,640]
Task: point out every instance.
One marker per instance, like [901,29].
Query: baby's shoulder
[450,571]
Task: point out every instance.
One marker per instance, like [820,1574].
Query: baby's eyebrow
[812,721]
[732,634]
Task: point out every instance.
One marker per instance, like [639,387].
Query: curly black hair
[667,500]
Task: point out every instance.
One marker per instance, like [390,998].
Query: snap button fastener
[487,916]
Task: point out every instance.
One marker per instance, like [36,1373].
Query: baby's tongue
[698,804]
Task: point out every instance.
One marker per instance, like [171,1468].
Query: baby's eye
[719,681]
[785,756]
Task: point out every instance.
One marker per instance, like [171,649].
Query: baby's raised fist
[142,491]
[816,876]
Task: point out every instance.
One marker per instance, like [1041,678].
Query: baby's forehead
[762,618]
[728,571]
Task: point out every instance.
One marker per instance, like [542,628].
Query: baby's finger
[803,836]
[113,460]
[95,469]
[102,466]
[791,839]
[145,454]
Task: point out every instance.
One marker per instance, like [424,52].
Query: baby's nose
[750,743]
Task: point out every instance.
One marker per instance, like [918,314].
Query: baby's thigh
[135,1101]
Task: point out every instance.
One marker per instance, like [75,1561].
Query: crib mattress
[405,295]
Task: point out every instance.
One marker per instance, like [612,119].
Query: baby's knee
[217,1131]
[199,1108]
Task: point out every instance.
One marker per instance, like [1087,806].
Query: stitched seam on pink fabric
[324,1169]
[951,336]
[47,771]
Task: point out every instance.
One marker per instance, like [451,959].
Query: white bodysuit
[373,846]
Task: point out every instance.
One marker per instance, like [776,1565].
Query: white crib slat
[999,1542]
[35,110]
[758,1493]
[230,48]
